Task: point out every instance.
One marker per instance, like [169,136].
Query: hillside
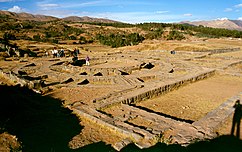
[223,23]
[27,16]
[87,19]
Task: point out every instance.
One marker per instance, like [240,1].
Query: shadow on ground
[224,143]
[43,125]
[40,123]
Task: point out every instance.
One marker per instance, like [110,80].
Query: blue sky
[131,11]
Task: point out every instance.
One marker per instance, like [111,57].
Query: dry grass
[9,143]
[192,44]
[5,81]
[93,134]
[194,101]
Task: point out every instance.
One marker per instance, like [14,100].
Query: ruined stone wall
[233,64]
[110,71]
[209,123]
[102,80]
[36,84]
[217,51]
[105,122]
[154,92]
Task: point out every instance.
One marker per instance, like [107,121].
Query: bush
[55,41]
[72,37]
[175,35]
[9,36]
[119,40]
[36,38]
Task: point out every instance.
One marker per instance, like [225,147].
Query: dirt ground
[91,133]
[80,94]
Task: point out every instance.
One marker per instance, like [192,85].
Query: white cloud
[56,13]
[222,19]
[139,17]
[238,6]
[127,17]
[188,14]
[48,6]
[161,12]
[15,9]
[240,18]
[228,10]
[91,3]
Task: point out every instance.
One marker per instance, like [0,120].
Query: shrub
[175,35]
[119,40]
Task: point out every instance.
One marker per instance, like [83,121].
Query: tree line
[119,40]
[155,29]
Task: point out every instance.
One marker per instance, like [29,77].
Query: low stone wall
[35,85]
[110,71]
[217,51]
[102,80]
[215,118]
[154,92]
[98,118]
[140,137]
[232,64]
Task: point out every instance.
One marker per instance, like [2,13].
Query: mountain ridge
[31,17]
[27,16]
[219,23]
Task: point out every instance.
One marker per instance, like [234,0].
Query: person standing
[87,60]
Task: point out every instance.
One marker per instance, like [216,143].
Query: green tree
[9,36]
[37,37]
[175,35]
[119,40]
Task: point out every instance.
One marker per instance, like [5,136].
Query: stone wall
[110,71]
[217,51]
[233,64]
[215,118]
[103,121]
[154,92]
[35,85]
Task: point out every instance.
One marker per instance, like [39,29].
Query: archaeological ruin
[146,97]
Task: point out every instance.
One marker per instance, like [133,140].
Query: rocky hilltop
[220,23]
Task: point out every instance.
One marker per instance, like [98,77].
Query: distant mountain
[31,17]
[27,16]
[220,23]
[87,19]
